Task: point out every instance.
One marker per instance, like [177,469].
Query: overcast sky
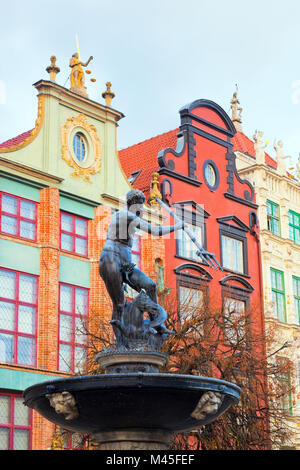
[159,55]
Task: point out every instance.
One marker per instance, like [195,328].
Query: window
[79,147]
[15,423]
[232,254]
[234,321]
[190,300]
[294,227]
[194,221]
[18,216]
[74,234]
[211,174]
[236,310]
[233,244]
[278,294]
[296,289]
[192,285]
[185,247]
[73,312]
[285,385]
[18,317]
[273,217]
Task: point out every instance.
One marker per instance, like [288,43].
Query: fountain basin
[132,401]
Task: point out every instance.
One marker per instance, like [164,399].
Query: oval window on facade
[211,175]
[79,147]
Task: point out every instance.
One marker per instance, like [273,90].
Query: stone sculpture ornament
[64,403]
[281,168]
[236,109]
[209,403]
[259,147]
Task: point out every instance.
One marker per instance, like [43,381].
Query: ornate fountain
[132,405]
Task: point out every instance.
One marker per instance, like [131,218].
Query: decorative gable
[231,221]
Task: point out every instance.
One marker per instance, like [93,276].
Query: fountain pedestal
[136,439]
[136,360]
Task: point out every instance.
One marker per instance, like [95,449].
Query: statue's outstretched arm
[157,230]
[87,63]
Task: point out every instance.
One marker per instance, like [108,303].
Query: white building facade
[278,198]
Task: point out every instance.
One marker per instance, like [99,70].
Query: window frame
[271,217]
[287,396]
[190,281]
[16,333]
[183,316]
[241,295]
[278,291]
[294,227]
[195,219]
[74,234]
[82,145]
[18,216]
[73,344]
[296,296]
[211,163]
[236,233]
[11,426]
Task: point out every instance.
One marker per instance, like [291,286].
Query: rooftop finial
[236,111]
[108,95]
[52,69]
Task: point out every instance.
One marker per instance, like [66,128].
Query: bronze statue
[116,267]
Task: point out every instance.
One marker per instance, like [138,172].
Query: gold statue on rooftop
[77,74]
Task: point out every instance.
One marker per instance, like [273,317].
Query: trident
[207,257]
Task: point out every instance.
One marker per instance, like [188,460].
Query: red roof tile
[143,156]
[15,140]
